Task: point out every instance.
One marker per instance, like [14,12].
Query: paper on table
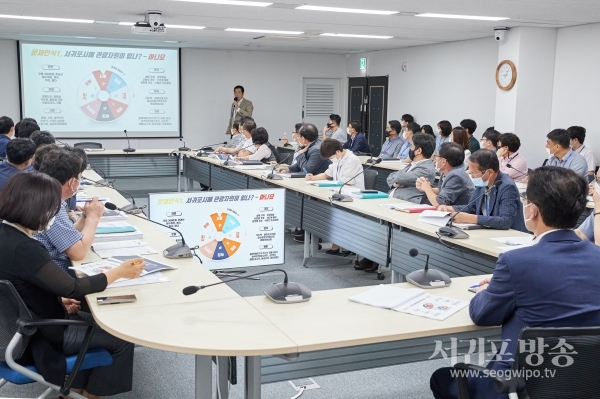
[153,278]
[436,218]
[122,248]
[433,307]
[385,296]
[514,241]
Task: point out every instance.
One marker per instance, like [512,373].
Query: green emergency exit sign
[363,64]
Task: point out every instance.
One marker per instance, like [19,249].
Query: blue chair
[16,328]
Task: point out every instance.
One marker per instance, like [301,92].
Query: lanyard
[558,162]
[513,157]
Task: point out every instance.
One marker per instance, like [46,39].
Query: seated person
[25,127]
[300,149]
[489,139]
[29,203]
[459,135]
[427,129]
[508,154]
[19,155]
[309,161]
[42,137]
[345,167]
[7,132]
[577,135]
[558,147]
[454,187]
[357,141]
[548,284]
[491,206]
[407,135]
[333,130]
[64,240]
[261,150]
[444,131]
[469,125]
[237,138]
[394,142]
[590,229]
[243,146]
[403,183]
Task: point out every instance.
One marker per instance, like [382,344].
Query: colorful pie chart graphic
[103,96]
[220,237]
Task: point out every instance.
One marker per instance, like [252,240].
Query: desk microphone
[273,175]
[209,147]
[370,160]
[176,251]
[129,208]
[102,182]
[427,278]
[517,170]
[128,149]
[185,147]
[279,293]
[453,232]
[226,163]
[346,198]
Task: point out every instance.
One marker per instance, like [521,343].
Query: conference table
[328,334]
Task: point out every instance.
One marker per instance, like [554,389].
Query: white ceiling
[406,29]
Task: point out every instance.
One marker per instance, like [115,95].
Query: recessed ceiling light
[231,2]
[127,23]
[106,22]
[429,15]
[84,37]
[183,26]
[350,10]
[278,32]
[81,21]
[356,36]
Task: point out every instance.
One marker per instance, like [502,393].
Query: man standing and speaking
[241,107]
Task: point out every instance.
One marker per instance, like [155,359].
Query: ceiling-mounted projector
[151,25]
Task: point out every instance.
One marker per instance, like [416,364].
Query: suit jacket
[311,160]
[358,144]
[505,208]
[246,109]
[455,187]
[554,283]
[408,179]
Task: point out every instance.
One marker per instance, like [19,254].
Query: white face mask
[526,219]
[404,135]
[438,132]
[348,130]
[548,152]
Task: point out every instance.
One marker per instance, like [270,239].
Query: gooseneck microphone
[426,278]
[346,198]
[185,147]
[453,232]
[273,175]
[176,251]
[209,146]
[285,292]
[517,170]
[128,149]
[100,183]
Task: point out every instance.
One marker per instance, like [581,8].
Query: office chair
[370,178]
[578,380]
[16,328]
[87,144]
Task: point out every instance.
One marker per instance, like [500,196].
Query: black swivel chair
[370,178]
[87,144]
[579,380]
[16,328]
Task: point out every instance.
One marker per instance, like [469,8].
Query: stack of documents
[116,231]
[122,248]
[409,208]
[436,218]
[412,301]
[511,243]
[151,273]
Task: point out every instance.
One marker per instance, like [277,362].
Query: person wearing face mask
[7,132]
[444,129]
[577,134]
[590,228]
[455,187]
[357,141]
[427,129]
[28,204]
[394,142]
[333,129]
[309,160]
[406,120]
[407,135]
[489,139]
[560,153]
[508,154]
[19,156]
[345,167]
[551,283]
[490,205]
[237,138]
[64,240]
[245,146]
[403,182]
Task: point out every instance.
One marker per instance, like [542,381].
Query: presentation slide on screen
[231,228]
[100,91]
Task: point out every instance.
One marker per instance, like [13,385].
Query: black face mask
[411,154]
[329,125]
[387,134]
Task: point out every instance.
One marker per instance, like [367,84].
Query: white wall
[273,82]
[9,80]
[576,97]
[450,81]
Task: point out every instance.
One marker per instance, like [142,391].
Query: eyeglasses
[523,198]
[480,174]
